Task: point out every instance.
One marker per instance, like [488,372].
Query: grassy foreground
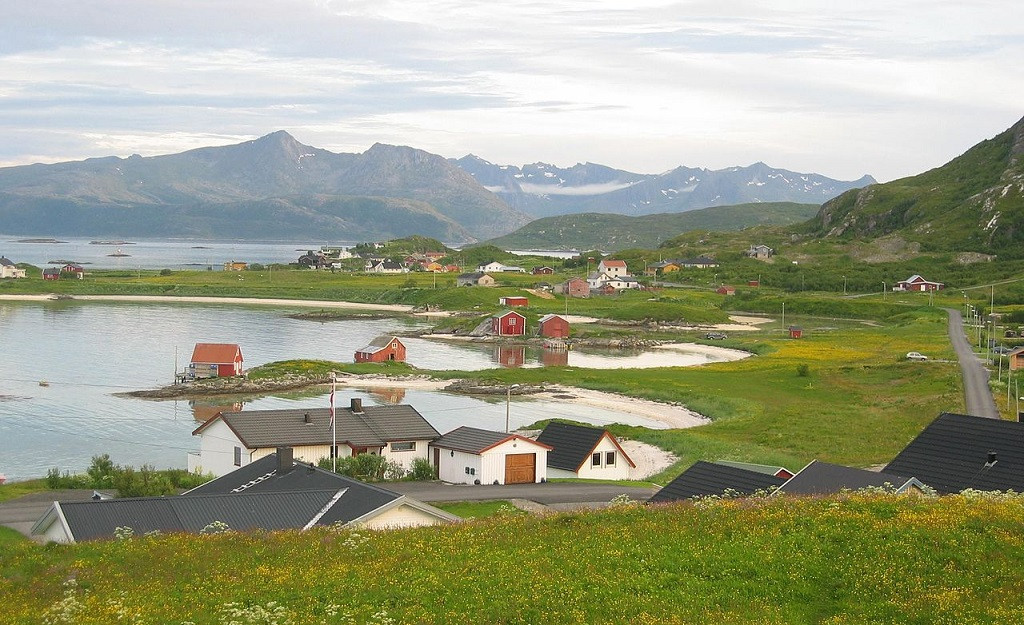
[853,559]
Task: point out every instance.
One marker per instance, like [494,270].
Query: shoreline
[206,299]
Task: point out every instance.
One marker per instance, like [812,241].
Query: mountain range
[277,188]
[543,190]
[271,187]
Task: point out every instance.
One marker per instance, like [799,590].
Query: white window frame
[401,446]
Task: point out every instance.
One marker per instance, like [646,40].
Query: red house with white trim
[553,326]
[917,283]
[215,360]
[382,349]
[508,323]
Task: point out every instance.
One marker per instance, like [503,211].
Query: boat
[43,383]
[118,253]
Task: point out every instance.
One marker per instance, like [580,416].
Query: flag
[330,424]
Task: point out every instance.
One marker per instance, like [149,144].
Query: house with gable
[612,268]
[508,323]
[474,279]
[824,478]
[469,455]
[553,327]
[573,287]
[584,452]
[234,439]
[272,493]
[215,360]
[956,452]
[9,270]
[918,283]
[382,349]
[714,479]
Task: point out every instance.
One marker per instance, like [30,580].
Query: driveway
[977,394]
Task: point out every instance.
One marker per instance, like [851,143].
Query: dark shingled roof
[823,478]
[950,454]
[90,520]
[263,476]
[572,444]
[374,427]
[707,478]
[473,440]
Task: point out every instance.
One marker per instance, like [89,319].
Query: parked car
[715,336]
[1001,349]
[916,356]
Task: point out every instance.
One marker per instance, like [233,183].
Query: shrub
[366,467]
[802,370]
[422,470]
[146,482]
[165,272]
[101,471]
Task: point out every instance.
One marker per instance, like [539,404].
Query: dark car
[715,336]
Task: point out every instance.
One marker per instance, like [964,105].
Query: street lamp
[508,404]
[844,285]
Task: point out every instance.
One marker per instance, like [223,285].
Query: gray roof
[572,444]
[952,452]
[5,261]
[750,466]
[709,479]
[379,343]
[357,500]
[88,520]
[374,427]
[472,440]
[823,478]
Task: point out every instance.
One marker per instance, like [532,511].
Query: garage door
[520,468]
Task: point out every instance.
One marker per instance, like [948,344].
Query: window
[595,460]
[511,321]
[409,446]
[609,458]
[238,456]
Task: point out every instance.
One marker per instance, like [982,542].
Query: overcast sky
[886,87]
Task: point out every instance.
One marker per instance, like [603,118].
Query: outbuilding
[382,349]
[508,323]
[215,360]
[553,326]
[514,301]
[468,455]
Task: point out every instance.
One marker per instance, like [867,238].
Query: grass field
[845,560]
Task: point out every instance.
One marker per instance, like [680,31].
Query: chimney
[307,419]
[285,460]
[357,405]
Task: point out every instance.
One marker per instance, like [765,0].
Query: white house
[234,439]
[584,452]
[496,267]
[613,268]
[473,456]
[9,269]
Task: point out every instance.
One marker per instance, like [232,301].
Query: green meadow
[840,560]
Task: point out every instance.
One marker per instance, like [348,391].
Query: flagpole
[334,424]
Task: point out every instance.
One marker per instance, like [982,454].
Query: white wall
[617,471]
[217,449]
[305,453]
[405,458]
[401,516]
[453,468]
[493,462]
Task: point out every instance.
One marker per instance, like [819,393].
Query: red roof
[613,263]
[216,352]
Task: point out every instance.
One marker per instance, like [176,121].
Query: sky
[889,88]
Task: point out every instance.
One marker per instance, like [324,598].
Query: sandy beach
[260,301]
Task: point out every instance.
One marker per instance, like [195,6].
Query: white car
[916,356]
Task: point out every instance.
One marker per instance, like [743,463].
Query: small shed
[553,326]
[474,279]
[74,269]
[382,349]
[516,301]
[726,290]
[753,283]
[508,323]
[1016,357]
[51,274]
[542,271]
[235,265]
[469,455]
[213,360]
[795,332]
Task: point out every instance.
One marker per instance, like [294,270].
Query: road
[977,394]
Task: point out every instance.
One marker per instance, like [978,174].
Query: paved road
[977,394]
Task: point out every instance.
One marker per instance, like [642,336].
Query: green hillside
[837,560]
[587,231]
[974,203]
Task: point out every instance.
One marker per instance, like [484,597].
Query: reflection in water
[387,395]
[554,357]
[204,411]
[510,355]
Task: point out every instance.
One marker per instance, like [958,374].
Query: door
[520,468]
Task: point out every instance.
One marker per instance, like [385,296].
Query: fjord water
[87,352]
